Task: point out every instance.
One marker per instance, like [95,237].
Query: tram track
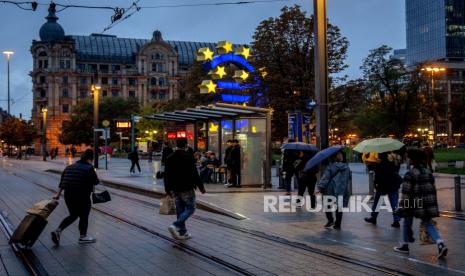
[251,233]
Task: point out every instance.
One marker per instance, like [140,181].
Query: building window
[114,93]
[153,81]
[162,95]
[65,93]
[103,68]
[83,80]
[43,64]
[132,81]
[65,80]
[115,68]
[104,80]
[83,94]
[132,94]
[42,93]
[65,64]
[114,81]
[42,79]
[161,81]
[172,68]
[104,93]
[153,95]
[143,66]
[65,108]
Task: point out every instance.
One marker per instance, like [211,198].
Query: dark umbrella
[322,155]
[299,146]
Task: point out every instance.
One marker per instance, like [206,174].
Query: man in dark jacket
[134,157]
[234,164]
[78,181]
[166,151]
[387,182]
[181,179]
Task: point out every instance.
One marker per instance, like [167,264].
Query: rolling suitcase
[29,230]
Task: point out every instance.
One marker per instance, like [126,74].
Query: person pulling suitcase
[78,181]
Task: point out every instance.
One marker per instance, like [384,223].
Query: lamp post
[95,91]
[432,71]
[44,133]
[8,55]
[321,73]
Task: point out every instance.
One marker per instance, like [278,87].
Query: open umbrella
[378,145]
[299,146]
[322,155]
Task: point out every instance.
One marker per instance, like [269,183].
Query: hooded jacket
[335,181]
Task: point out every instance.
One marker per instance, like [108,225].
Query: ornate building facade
[65,67]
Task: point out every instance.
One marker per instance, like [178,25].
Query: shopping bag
[425,238]
[101,197]
[167,206]
[43,208]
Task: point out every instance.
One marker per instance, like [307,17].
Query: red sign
[171,135]
[181,134]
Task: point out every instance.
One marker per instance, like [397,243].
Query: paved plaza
[132,238]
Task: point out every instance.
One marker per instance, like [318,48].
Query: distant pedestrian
[165,152]
[306,180]
[78,181]
[73,151]
[234,164]
[227,152]
[289,158]
[387,182]
[419,200]
[134,157]
[181,179]
[335,182]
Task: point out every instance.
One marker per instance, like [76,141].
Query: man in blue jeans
[181,179]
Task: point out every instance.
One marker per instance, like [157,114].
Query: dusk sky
[366,23]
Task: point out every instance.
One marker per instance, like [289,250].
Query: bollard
[458,193]
[371,183]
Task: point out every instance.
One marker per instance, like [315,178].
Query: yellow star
[224,47]
[204,54]
[218,73]
[263,72]
[240,75]
[243,51]
[207,86]
[213,128]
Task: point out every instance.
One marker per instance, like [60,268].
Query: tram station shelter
[208,127]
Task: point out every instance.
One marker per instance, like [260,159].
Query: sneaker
[87,239]
[186,236]
[442,250]
[370,220]
[329,224]
[402,249]
[56,237]
[395,224]
[174,231]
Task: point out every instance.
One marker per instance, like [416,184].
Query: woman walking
[78,181]
[419,200]
[335,182]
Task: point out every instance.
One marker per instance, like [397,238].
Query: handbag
[167,206]
[101,197]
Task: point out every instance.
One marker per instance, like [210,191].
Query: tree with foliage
[17,132]
[79,129]
[391,95]
[284,47]
[188,91]
[457,115]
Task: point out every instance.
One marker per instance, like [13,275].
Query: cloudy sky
[366,23]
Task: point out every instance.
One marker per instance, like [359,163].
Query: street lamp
[95,91]
[44,133]
[431,70]
[8,54]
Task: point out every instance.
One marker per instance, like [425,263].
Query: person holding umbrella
[334,181]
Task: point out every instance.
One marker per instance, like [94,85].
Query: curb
[201,204]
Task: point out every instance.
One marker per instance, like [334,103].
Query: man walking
[181,179]
[134,157]
[78,181]
[234,164]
